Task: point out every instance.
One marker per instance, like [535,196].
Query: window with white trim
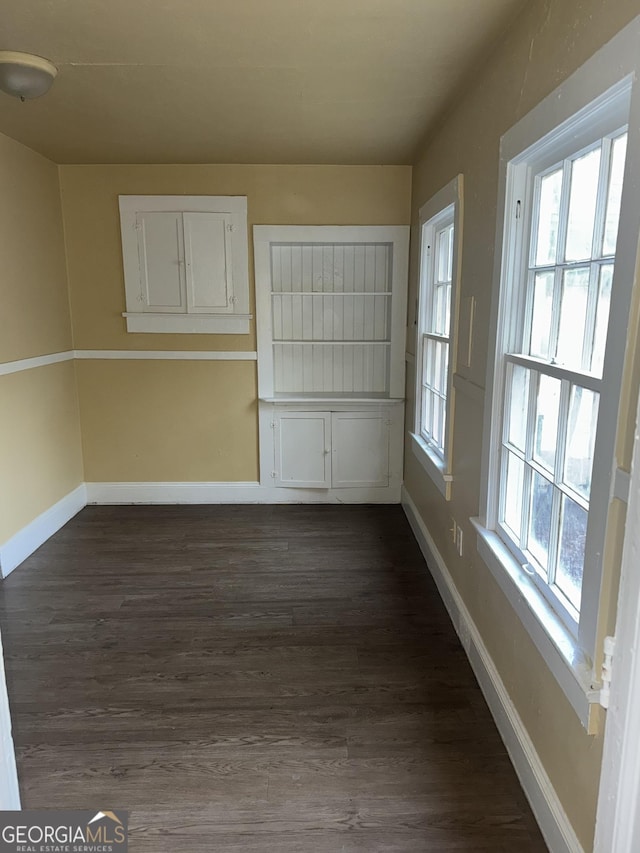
[439,249]
[554,362]
[554,387]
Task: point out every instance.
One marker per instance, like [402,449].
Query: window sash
[434,392]
[558,267]
[517,541]
[434,316]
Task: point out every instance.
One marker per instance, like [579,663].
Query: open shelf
[331,310]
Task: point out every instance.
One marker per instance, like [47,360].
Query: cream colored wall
[550,40]
[33,281]
[40,452]
[145,421]
[188,421]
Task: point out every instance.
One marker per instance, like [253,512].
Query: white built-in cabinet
[185,263]
[331,314]
[324,450]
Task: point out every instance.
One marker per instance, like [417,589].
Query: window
[439,267]
[554,368]
[436,285]
[550,433]
[185,263]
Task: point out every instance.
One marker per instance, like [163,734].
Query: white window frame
[599,93]
[446,206]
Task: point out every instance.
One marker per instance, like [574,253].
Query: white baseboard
[15,550]
[546,806]
[230,493]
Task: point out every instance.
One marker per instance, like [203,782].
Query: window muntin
[554,368]
[435,295]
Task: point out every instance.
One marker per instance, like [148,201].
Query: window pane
[440,310]
[518,405]
[602,319]
[547,407]
[573,314]
[548,218]
[541,320]
[581,436]
[435,426]
[427,366]
[444,245]
[442,409]
[540,519]
[582,206]
[442,384]
[618,154]
[427,409]
[514,475]
[571,557]
[438,369]
[447,311]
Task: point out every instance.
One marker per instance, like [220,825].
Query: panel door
[360,449]
[161,254]
[208,262]
[303,449]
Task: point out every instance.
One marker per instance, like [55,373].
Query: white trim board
[618,818]
[37,361]
[546,806]
[168,355]
[144,355]
[15,550]
[231,493]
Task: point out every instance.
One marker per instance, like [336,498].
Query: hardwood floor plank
[253,678]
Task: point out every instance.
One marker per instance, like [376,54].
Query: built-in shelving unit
[331,316]
[331,312]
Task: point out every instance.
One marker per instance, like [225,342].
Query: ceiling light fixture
[24,75]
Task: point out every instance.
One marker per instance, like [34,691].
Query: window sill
[217,324]
[432,464]
[554,641]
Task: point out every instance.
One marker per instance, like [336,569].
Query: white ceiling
[243,81]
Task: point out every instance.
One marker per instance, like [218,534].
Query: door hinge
[607,670]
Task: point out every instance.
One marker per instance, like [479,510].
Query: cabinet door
[303,449]
[160,255]
[360,449]
[208,260]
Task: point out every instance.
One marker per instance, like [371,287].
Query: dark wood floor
[253,679]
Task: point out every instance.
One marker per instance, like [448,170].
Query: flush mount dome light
[24,75]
